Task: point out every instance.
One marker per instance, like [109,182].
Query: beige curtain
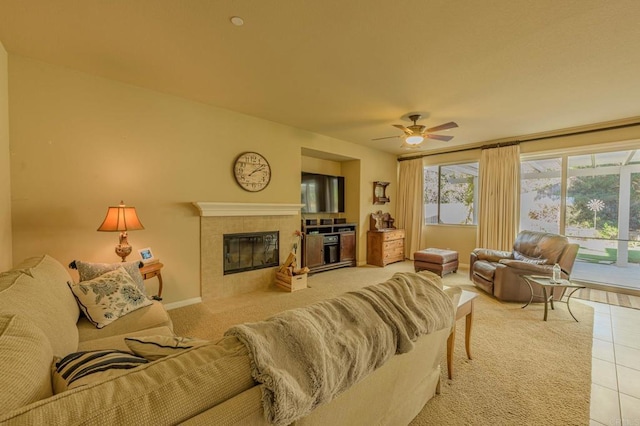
[410,202]
[499,197]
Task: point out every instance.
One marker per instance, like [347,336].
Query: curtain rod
[524,139]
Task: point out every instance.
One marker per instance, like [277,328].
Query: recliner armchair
[534,253]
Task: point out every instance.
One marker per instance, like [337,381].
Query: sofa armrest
[167,391]
[454,293]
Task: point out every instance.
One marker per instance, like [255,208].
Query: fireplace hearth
[250,251]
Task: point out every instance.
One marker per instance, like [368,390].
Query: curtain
[410,204]
[499,197]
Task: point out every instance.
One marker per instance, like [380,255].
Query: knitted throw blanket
[305,357]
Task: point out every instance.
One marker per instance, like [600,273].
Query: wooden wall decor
[379,192]
[380,221]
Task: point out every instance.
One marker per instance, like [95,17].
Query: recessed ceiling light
[237,21]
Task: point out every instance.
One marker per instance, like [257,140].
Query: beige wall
[5,182]
[463,238]
[82,143]
[320,165]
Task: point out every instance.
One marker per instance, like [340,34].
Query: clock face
[252,171]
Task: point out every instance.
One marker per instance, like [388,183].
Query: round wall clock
[252,171]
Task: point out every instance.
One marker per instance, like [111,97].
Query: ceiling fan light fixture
[414,139]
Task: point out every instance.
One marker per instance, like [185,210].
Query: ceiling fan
[415,134]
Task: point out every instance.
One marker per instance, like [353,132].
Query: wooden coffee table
[465,309]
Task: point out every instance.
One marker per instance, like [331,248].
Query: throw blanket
[305,357]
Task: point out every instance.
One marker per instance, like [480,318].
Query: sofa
[206,383]
[500,273]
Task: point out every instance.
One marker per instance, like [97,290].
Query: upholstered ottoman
[438,261]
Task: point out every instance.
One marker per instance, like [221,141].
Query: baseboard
[180,304]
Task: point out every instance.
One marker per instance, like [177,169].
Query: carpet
[524,371]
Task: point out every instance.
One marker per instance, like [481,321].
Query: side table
[151,270]
[545,283]
[465,309]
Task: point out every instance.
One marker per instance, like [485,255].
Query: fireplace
[250,251]
[220,219]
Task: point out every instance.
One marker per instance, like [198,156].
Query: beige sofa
[208,384]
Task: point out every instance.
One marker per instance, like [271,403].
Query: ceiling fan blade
[439,137]
[387,137]
[445,126]
[404,129]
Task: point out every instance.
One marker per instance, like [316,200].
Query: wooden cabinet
[327,247]
[347,246]
[385,246]
[313,251]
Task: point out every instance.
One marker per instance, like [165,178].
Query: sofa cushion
[154,315]
[88,271]
[37,289]
[117,342]
[25,362]
[535,261]
[108,297]
[540,245]
[159,346]
[83,368]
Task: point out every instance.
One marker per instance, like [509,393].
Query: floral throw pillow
[108,297]
[89,271]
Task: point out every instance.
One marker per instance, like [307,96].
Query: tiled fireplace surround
[218,219]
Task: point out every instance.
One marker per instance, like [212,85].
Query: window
[594,199]
[540,195]
[451,194]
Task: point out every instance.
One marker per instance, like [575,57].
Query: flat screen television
[322,193]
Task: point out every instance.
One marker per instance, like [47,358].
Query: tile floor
[615,367]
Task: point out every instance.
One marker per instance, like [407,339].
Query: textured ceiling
[350,69]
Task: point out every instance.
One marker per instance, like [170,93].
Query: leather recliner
[534,253]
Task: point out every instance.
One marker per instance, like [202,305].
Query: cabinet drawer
[390,245]
[393,235]
[395,253]
[151,274]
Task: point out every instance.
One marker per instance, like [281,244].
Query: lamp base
[123,251]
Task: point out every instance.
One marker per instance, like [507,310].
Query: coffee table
[546,283]
[465,309]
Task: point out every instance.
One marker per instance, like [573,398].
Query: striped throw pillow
[82,368]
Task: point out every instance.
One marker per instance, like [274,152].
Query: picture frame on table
[146,255]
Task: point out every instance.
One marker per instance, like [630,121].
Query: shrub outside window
[451,194]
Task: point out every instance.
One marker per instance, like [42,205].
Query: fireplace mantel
[247,209]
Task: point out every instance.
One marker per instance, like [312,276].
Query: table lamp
[122,219]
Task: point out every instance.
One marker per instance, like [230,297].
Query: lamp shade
[121,218]
[413,139]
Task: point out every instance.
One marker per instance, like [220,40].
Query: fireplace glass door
[250,251]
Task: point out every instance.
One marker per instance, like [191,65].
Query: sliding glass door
[594,199]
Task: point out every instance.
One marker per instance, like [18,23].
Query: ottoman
[438,261]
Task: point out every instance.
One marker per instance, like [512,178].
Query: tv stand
[326,247]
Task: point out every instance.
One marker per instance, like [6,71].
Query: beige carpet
[524,370]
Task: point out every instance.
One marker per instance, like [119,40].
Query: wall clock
[252,171]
